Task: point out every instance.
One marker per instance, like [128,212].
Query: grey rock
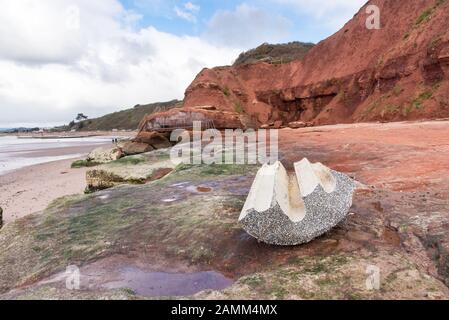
[297,125]
[154,139]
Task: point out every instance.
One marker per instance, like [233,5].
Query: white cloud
[34,31]
[61,57]
[324,7]
[185,15]
[192,7]
[189,12]
[246,27]
[333,13]
[50,69]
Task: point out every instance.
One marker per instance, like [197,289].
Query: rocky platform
[186,223]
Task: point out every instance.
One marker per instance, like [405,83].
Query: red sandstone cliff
[398,72]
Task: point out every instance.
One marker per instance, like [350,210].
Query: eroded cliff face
[399,72]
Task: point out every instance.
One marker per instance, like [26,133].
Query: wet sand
[32,189]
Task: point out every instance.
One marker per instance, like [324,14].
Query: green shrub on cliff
[275,53]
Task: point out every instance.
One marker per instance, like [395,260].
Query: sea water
[16,153]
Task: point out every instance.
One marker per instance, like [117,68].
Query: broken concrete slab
[283,209]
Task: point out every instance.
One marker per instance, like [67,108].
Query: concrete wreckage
[283,209]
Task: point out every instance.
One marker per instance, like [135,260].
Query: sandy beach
[32,189]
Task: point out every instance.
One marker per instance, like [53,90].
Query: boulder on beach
[104,154]
[136,169]
[297,125]
[154,139]
[131,148]
[283,209]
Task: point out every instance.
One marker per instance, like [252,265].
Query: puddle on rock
[169,200]
[179,185]
[162,284]
[199,189]
[203,189]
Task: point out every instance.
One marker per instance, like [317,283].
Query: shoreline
[71,135]
[30,189]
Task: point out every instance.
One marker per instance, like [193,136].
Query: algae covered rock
[105,154]
[285,209]
[136,169]
[154,139]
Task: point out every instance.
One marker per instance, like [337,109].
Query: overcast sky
[62,57]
